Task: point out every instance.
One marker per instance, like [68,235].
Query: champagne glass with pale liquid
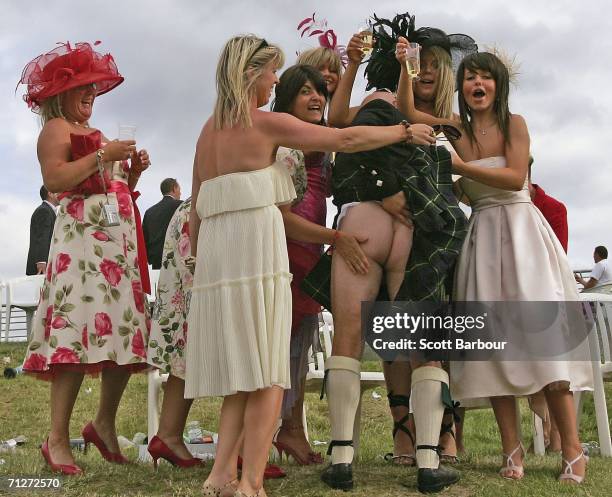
[365,30]
[413,60]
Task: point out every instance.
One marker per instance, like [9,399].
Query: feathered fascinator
[510,61]
[326,36]
[383,69]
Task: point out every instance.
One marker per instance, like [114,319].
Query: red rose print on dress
[138,295]
[104,325]
[184,246]
[125,205]
[47,321]
[64,355]
[36,362]
[49,270]
[58,323]
[62,261]
[138,347]
[85,337]
[99,235]
[111,271]
[76,209]
[185,229]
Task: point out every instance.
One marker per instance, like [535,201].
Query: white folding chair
[600,347]
[154,279]
[2,308]
[155,380]
[22,293]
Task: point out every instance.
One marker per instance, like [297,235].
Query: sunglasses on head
[450,132]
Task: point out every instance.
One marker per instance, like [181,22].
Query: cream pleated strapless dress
[239,319]
[511,253]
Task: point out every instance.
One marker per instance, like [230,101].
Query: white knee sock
[428,411]
[343,393]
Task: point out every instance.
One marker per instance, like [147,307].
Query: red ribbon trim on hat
[63,75]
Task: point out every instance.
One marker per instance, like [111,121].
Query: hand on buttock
[348,247]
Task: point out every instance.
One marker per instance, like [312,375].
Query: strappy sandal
[401,459]
[209,490]
[568,474]
[510,467]
[260,493]
[448,428]
[280,448]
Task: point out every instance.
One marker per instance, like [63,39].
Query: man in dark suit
[41,231]
[157,219]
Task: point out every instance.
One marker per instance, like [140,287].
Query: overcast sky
[167,51]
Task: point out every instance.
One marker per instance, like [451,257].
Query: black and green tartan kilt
[439,224]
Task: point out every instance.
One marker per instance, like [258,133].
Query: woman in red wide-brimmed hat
[92,316]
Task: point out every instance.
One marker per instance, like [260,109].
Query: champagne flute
[413,60]
[366,32]
[127,132]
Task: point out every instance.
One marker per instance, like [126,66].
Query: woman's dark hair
[292,81]
[489,62]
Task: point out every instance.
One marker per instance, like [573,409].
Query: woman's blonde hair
[443,103]
[241,63]
[50,108]
[319,57]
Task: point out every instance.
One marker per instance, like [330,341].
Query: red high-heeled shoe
[65,469]
[90,435]
[157,448]
[271,472]
[311,457]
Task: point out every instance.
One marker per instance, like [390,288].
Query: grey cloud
[168,53]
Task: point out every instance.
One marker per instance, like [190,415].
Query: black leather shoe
[434,480]
[338,476]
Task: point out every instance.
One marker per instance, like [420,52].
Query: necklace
[483,131]
[78,123]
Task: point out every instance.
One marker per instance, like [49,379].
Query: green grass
[24,410]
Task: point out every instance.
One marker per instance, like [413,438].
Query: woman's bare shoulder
[55,130]
[55,125]
[517,120]
[518,125]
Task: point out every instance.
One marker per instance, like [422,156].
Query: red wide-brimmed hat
[67,67]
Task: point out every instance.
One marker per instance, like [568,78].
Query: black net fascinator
[457,45]
[383,70]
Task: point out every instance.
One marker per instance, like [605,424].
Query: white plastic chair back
[22,293]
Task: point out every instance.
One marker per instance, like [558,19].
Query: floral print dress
[92,312]
[169,327]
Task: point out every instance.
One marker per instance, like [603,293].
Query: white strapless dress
[240,311]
